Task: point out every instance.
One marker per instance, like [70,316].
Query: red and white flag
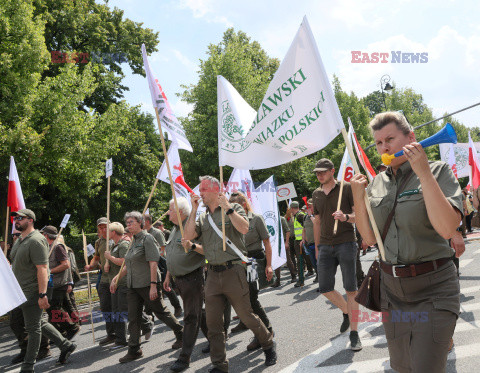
[452,161]
[347,163]
[241,180]
[474,164]
[362,157]
[15,196]
[169,121]
[181,187]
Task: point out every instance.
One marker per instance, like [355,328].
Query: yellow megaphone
[445,135]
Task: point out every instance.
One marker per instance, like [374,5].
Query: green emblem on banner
[232,133]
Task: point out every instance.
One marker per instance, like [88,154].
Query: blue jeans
[310,249]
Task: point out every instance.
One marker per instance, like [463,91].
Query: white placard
[64,222]
[286,191]
[108,168]
[90,250]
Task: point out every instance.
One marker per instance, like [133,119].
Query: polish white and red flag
[181,187]
[346,167]
[15,196]
[474,164]
[362,157]
[452,161]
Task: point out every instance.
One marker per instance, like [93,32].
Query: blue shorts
[329,257]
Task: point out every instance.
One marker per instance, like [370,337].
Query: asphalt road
[306,332]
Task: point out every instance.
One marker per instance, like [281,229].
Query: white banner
[90,250]
[271,215]
[108,168]
[346,164]
[169,121]
[461,156]
[298,116]
[286,191]
[241,180]
[65,220]
[12,294]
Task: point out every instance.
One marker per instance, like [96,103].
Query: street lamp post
[385,86]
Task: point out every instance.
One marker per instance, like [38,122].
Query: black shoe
[43,354]
[179,366]
[270,356]
[254,344]
[355,344]
[239,328]
[107,340]
[206,349]
[276,284]
[130,356]
[18,358]
[215,370]
[72,333]
[66,353]
[293,280]
[299,284]
[345,324]
[310,274]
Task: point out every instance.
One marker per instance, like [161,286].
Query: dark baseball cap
[25,213]
[323,164]
[49,229]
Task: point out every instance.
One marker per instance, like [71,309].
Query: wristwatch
[230,211]
[42,295]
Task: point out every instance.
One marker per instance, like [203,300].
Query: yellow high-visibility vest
[297,227]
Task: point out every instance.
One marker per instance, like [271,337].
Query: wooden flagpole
[150,196]
[223,212]
[161,217]
[85,255]
[107,247]
[378,237]
[6,230]
[340,198]
[180,226]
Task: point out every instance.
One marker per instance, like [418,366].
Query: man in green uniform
[59,267]
[104,286]
[160,238]
[30,266]
[186,267]
[226,273]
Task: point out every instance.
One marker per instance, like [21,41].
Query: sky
[447,30]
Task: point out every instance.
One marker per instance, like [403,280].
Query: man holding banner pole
[334,249]
[226,271]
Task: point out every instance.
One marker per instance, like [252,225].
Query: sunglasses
[20,218]
[16,235]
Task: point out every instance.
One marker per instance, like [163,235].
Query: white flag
[180,186]
[241,180]
[169,121]
[298,116]
[346,164]
[271,215]
[12,294]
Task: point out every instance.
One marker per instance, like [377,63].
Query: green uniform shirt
[118,251]
[58,255]
[158,235]
[212,243]
[100,246]
[308,225]
[144,249]
[179,262]
[411,237]
[257,232]
[291,228]
[325,205]
[26,254]
[285,228]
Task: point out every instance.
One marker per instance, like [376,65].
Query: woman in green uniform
[419,285]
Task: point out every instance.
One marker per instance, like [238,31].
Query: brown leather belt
[412,270]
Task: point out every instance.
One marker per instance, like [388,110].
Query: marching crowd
[417,206]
